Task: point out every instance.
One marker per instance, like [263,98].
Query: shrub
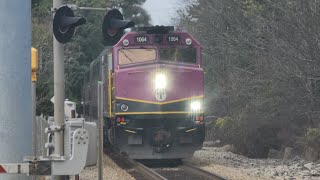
[223,122]
[312,137]
[313,132]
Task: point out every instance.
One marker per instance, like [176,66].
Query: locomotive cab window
[131,56]
[186,55]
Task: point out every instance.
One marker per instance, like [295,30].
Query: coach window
[186,55]
[131,56]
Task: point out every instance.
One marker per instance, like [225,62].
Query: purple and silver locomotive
[153,88]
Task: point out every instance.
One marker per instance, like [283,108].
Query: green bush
[313,132]
[223,122]
[312,137]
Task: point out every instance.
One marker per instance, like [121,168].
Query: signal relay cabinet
[91,128]
[80,146]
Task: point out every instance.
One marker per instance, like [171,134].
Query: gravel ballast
[111,171]
[233,166]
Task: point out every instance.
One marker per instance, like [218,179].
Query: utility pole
[100,128]
[34,67]
[58,68]
[100,118]
[15,86]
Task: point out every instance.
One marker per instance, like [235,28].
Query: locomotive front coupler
[161,149]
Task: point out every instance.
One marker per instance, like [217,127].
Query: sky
[161,11]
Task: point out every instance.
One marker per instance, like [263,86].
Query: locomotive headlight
[160,81]
[195,106]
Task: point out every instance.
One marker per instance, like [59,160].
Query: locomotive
[153,90]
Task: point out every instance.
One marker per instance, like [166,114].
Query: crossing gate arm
[23,168]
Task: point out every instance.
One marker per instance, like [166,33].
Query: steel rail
[128,164]
[199,171]
[147,172]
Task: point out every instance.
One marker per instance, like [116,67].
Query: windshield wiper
[126,56]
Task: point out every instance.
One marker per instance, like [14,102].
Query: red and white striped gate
[15,168]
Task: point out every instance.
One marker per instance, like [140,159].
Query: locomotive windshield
[130,56]
[170,54]
[186,55]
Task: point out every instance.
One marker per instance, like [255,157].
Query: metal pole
[34,121]
[34,125]
[94,9]
[58,68]
[100,129]
[15,86]
[34,67]
[75,8]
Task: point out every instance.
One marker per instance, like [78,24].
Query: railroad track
[186,171]
[202,172]
[162,171]
[134,168]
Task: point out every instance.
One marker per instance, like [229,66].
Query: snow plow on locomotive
[153,88]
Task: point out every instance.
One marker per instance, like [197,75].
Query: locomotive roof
[154,33]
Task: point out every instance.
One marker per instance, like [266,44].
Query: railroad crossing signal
[65,23]
[113,27]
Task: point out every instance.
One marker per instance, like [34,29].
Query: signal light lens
[118,119]
[123,120]
[112,32]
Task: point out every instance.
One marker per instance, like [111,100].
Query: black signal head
[65,23]
[113,27]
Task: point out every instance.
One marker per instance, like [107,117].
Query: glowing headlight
[160,81]
[195,105]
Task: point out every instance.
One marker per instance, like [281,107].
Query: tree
[80,52]
[262,69]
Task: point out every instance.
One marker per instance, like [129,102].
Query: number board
[173,38]
[141,39]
